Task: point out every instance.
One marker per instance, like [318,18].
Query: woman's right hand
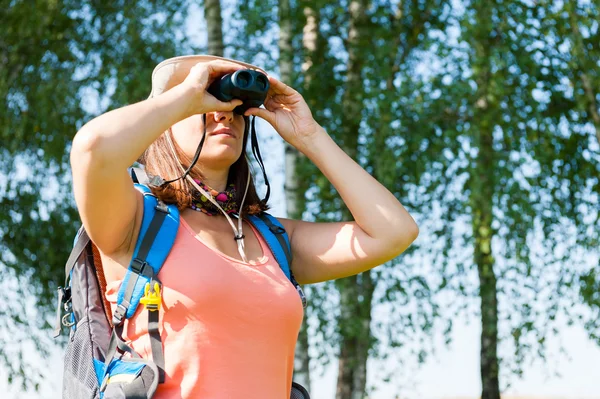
[197,82]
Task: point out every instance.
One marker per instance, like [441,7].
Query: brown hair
[158,160]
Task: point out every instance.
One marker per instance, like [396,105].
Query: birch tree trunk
[581,68]
[482,195]
[214,26]
[286,68]
[356,292]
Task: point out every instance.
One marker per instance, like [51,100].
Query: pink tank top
[229,328]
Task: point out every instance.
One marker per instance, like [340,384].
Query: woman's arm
[382,229]
[120,136]
[106,146]
[378,213]
[325,251]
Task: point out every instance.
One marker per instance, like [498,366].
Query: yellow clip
[151,299]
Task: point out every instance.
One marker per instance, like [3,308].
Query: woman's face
[224,138]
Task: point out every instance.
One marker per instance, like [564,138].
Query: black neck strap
[196,156]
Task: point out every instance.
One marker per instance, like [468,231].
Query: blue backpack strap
[276,238]
[274,234]
[157,235]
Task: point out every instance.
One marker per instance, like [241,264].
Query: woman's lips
[225,132]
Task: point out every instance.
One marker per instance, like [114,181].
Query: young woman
[229,318]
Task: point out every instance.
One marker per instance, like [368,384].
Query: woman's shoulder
[289,225]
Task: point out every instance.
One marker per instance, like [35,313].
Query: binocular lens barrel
[246,84]
[241,79]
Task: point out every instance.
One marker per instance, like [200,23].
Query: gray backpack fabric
[90,333]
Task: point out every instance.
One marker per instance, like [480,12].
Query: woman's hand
[197,82]
[288,113]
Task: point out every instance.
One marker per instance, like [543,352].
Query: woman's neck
[217,180]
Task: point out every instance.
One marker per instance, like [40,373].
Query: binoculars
[246,84]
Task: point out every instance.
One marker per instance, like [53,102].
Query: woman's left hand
[288,113]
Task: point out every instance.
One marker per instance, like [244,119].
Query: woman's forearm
[375,209]
[117,138]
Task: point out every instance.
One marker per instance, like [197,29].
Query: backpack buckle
[151,298]
[68,320]
[64,302]
[138,265]
[119,314]
[276,229]
[161,206]
[155,181]
[302,296]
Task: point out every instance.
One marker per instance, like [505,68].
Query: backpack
[98,362]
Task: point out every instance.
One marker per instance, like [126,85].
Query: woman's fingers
[227,105]
[217,69]
[278,87]
[213,103]
[261,113]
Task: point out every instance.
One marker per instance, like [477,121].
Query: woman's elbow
[413,231]
[86,149]
[84,140]
[406,237]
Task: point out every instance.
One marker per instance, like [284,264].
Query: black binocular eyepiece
[246,84]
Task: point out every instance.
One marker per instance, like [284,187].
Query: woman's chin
[221,159]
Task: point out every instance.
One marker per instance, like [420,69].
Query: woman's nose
[223,116]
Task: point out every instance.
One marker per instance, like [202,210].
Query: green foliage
[60,58]
[508,78]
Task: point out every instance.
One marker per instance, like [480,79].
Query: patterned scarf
[226,199]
